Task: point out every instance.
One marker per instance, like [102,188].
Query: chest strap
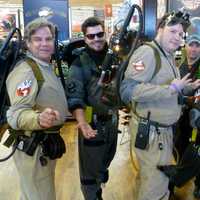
[36,71]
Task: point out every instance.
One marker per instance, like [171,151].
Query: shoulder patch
[24,88]
[139,66]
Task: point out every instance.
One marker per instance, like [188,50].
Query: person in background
[153,94]
[98,127]
[37,112]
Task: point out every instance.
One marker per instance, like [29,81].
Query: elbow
[125,95]
[12,122]
[127,90]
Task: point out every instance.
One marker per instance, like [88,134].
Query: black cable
[12,152]
[5,57]
[124,65]
[58,59]
[110,54]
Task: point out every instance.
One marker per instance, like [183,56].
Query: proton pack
[10,52]
[122,44]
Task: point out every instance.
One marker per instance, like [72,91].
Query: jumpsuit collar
[40,62]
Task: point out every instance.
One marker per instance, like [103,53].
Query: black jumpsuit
[96,154]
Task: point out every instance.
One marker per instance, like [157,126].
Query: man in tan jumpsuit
[35,109]
[156,96]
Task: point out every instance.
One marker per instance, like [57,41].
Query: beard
[97,56]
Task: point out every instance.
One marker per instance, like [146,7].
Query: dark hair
[162,21]
[173,18]
[90,22]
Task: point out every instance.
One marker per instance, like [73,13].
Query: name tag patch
[24,88]
[139,66]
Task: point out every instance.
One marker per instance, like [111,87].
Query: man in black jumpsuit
[97,134]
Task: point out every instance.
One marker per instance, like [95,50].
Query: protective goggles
[178,17]
[92,36]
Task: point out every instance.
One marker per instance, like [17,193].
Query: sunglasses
[92,36]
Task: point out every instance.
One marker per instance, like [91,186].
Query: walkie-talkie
[142,137]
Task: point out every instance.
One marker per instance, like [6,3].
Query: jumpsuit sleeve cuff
[28,120]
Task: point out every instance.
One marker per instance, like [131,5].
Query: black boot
[99,194]
[171,188]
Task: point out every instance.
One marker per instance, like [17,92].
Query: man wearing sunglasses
[154,91]
[98,125]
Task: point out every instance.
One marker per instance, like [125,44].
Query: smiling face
[95,37]
[170,37]
[41,44]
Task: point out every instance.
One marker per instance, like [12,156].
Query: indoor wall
[96,3]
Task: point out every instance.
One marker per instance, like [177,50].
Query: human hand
[178,84]
[47,117]
[87,130]
[195,84]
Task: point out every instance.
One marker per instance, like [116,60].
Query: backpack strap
[156,70]
[40,80]
[157,57]
[36,71]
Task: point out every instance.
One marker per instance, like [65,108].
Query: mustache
[99,41]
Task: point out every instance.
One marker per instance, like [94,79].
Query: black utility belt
[102,117]
[27,144]
[159,125]
[53,146]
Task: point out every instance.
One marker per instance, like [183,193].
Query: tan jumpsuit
[156,97]
[36,181]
